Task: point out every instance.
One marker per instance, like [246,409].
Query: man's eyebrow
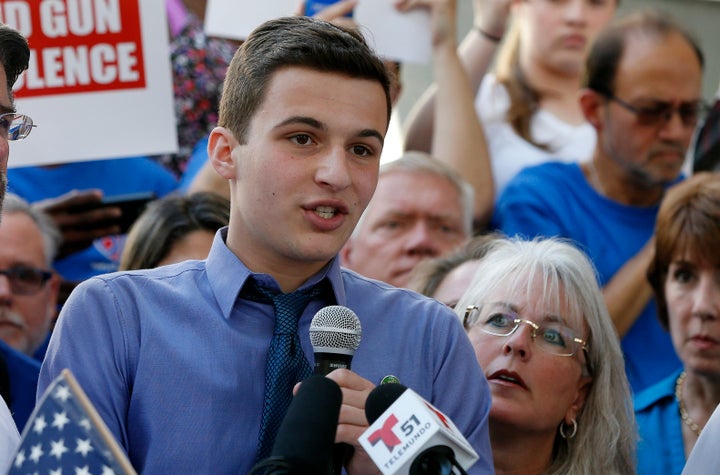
[372,133]
[299,119]
[314,123]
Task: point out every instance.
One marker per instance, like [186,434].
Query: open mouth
[325,212]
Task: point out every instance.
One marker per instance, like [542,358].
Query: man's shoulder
[546,173]
[357,285]
[376,298]
[548,182]
[148,279]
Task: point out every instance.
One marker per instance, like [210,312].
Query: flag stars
[83,447]
[57,448]
[85,424]
[56,472]
[62,393]
[39,424]
[20,459]
[60,420]
[107,470]
[82,470]
[36,452]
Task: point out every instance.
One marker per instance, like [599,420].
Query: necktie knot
[288,307]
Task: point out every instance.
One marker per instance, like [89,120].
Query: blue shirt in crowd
[174,358]
[661,448]
[555,199]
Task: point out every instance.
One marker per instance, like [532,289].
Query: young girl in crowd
[528,105]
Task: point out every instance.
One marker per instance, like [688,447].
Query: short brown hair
[608,48]
[688,224]
[287,42]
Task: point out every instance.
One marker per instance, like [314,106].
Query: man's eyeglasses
[553,337]
[15,126]
[26,280]
[660,113]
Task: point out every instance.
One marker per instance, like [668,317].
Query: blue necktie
[286,362]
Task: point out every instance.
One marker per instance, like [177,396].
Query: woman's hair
[605,441]
[168,220]
[427,276]
[524,99]
[687,225]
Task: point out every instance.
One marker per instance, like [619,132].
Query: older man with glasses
[643,96]
[29,240]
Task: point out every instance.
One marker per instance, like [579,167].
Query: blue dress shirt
[174,359]
[661,448]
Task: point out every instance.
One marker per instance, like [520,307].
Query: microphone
[307,433]
[409,436]
[335,334]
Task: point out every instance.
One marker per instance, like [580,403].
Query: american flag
[65,436]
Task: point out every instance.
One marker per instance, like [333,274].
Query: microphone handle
[326,363]
[341,456]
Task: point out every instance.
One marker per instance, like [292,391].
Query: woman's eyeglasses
[551,337]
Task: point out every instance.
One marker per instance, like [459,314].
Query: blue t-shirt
[555,199]
[179,378]
[661,448]
[113,177]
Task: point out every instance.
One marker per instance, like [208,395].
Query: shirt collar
[227,275]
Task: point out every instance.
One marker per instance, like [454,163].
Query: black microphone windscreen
[307,434]
[380,398]
[335,329]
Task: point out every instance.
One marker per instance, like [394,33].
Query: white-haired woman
[560,399]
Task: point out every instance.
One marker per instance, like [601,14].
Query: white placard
[398,36]
[99,83]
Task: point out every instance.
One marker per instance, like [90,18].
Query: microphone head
[335,329]
[381,398]
[306,435]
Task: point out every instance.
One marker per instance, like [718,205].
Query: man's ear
[591,104]
[221,144]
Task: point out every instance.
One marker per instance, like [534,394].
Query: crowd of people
[536,264]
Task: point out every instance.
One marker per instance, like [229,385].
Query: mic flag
[409,436]
[306,436]
[335,334]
